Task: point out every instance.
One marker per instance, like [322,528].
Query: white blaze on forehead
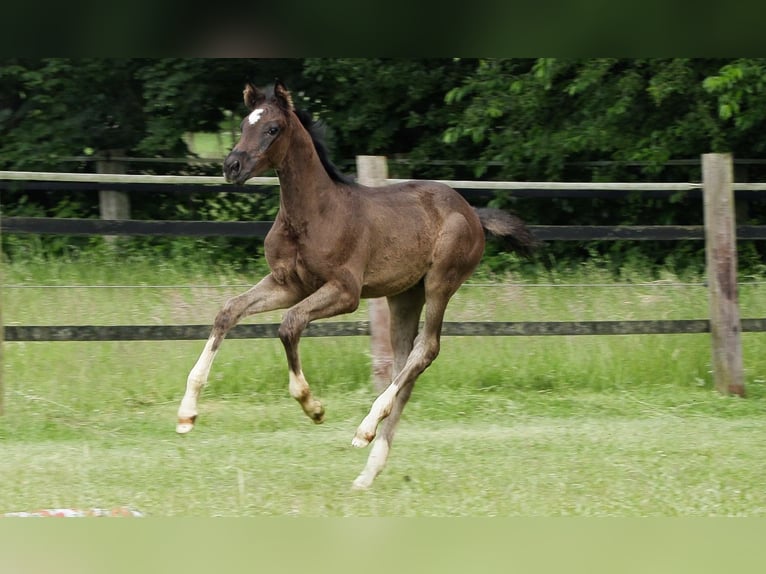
[254,116]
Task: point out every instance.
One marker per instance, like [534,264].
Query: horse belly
[392,275]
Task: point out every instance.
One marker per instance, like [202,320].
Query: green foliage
[608,120]
[55,107]
[534,117]
[391,107]
[598,119]
[739,87]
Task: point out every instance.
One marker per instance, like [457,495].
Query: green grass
[507,426]
[535,466]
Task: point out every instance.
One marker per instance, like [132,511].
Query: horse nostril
[231,167]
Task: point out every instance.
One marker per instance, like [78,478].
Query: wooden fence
[130,183]
[718,232]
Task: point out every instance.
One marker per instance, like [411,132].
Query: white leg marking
[298,385]
[300,391]
[379,410]
[375,463]
[194,383]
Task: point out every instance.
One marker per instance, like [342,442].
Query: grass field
[505,426]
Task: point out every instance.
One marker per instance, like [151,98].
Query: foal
[334,242]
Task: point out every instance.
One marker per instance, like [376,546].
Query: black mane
[316,132]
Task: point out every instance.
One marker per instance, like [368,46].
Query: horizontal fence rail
[259,229]
[125,178]
[52,181]
[110,178]
[71,226]
[356,328]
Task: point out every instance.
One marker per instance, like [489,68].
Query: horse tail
[509,228]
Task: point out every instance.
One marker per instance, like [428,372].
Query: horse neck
[305,185]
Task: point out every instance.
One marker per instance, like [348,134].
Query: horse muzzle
[234,167]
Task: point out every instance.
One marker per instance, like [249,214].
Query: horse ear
[284,98]
[252,96]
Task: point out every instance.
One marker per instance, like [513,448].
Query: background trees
[526,119]
[58,107]
[542,118]
[513,118]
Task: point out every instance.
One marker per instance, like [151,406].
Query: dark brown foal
[334,242]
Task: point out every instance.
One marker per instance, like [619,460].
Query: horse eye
[272,131]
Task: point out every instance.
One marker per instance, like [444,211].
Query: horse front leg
[266,295]
[329,300]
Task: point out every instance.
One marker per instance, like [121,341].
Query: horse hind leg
[405,317]
[266,295]
[381,446]
[454,259]
[424,350]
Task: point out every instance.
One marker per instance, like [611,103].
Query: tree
[534,117]
[392,107]
[54,107]
[597,119]
[739,88]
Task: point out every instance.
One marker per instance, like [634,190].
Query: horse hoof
[185,425]
[317,413]
[360,442]
[361,483]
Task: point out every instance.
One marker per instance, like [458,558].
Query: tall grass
[587,425]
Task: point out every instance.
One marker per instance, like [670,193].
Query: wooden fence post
[373,171]
[721,257]
[112,204]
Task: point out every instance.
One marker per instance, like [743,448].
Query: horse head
[265,132]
